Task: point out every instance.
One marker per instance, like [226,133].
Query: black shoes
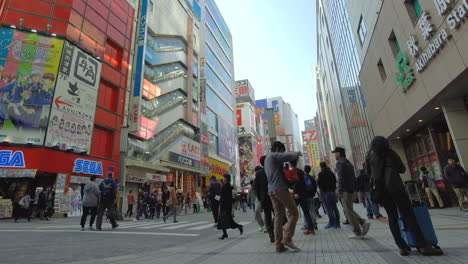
[223,237]
[241,229]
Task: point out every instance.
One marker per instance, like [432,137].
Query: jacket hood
[380,145]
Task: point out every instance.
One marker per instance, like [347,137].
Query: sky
[275,48]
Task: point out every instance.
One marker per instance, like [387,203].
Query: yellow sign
[217,168]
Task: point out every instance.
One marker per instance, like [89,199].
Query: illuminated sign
[88,167]
[10,159]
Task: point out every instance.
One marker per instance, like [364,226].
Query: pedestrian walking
[457,176]
[258,206]
[90,202]
[165,198]
[261,190]
[22,208]
[384,167]
[280,197]
[346,185]
[130,203]
[108,190]
[143,199]
[172,204]
[301,194]
[226,220]
[214,192]
[42,204]
[188,203]
[327,185]
[310,191]
[429,184]
[363,186]
[153,203]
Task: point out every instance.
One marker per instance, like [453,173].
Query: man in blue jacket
[108,190]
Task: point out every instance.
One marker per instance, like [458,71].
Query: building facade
[65,75]
[338,66]
[164,110]
[414,76]
[218,92]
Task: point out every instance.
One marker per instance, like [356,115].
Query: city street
[193,240]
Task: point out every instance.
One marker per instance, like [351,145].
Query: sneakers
[291,245]
[329,226]
[281,249]
[91,228]
[83,229]
[381,217]
[356,237]
[405,252]
[309,232]
[365,228]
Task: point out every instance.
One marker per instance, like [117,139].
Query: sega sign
[12,159]
[88,167]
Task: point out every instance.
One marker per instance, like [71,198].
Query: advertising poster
[261,108]
[217,168]
[247,159]
[72,117]
[28,73]
[226,137]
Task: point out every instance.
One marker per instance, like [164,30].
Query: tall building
[309,125]
[246,130]
[164,111]
[338,72]
[414,76]
[286,123]
[218,93]
[65,74]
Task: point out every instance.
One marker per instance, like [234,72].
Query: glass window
[212,120]
[219,18]
[217,49]
[213,147]
[216,104]
[362,31]
[164,72]
[215,83]
[217,32]
[165,44]
[217,66]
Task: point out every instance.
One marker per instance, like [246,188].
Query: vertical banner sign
[72,116]
[135,106]
[28,73]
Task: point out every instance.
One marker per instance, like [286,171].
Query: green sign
[405,77]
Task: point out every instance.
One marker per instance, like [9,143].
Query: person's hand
[296,196]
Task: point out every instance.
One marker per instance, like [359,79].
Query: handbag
[376,191]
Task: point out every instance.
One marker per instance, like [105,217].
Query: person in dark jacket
[346,190]
[108,190]
[363,187]
[458,178]
[261,190]
[301,194]
[327,185]
[226,220]
[384,167]
[310,185]
[215,195]
[90,202]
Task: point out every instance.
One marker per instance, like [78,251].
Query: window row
[219,18]
[215,83]
[214,102]
[217,49]
[217,66]
[212,24]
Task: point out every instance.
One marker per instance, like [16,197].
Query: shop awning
[180,167]
[145,165]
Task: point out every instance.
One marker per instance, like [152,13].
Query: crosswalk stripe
[162,224]
[138,224]
[202,227]
[104,232]
[244,223]
[183,225]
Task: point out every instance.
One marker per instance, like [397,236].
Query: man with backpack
[143,199]
[215,196]
[108,190]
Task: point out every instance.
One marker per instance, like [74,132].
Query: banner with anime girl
[28,72]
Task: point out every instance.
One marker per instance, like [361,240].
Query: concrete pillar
[456,115]
[397,146]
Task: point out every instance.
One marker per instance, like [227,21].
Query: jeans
[215,210]
[310,205]
[109,205]
[307,217]
[283,201]
[399,204]
[142,210]
[354,219]
[86,210]
[372,208]
[329,203]
[130,210]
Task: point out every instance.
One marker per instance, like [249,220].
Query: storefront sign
[243,88]
[156,177]
[17,173]
[309,135]
[72,116]
[183,160]
[28,71]
[12,159]
[88,167]
[217,168]
[135,179]
[188,148]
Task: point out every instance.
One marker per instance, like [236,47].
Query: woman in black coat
[226,220]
